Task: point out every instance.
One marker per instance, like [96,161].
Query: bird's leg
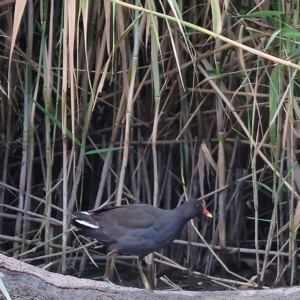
[147,285]
[110,264]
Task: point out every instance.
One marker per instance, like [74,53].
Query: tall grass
[157,102]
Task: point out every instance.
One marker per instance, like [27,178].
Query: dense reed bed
[158,102]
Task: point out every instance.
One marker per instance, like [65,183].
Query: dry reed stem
[70,84]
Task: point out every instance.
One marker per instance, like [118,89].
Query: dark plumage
[137,229]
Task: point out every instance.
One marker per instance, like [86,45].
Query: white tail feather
[87,224]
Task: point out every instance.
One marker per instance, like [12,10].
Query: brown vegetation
[158,103]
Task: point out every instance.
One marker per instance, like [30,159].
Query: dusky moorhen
[137,229]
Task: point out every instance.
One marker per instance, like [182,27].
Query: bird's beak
[206,212]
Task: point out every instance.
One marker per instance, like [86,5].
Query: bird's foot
[105,279]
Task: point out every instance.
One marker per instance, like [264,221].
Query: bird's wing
[129,216]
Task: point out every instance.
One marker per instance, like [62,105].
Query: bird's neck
[183,213]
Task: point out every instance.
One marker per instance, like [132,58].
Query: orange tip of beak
[206,212]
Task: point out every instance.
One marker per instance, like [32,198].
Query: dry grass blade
[19,10]
[155,101]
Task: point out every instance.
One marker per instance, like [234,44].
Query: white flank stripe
[87,224]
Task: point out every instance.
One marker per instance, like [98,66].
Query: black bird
[137,229]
